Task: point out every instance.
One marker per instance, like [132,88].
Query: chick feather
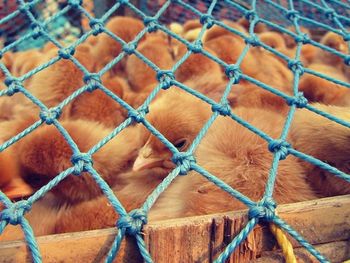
[156,49]
[44,154]
[317,89]
[106,48]
[326,140]
[98,106]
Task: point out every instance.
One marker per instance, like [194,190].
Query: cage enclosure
[174,131]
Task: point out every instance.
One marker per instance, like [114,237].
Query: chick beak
[145,161]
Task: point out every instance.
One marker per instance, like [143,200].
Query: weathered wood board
[202,238]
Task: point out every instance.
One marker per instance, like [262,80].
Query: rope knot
[223,109]
[37,29]
[330,13]
[195,47]
[14,214]
[49,116]
[302,38]
[133,222]
[279,146]
[92,80]
[129,48]
[166,78]
[296,66]
[253,41]
[347,60]
[263,210]
[207,19]
[13,86]
[81,162]
[97,26]
[123,2]
[75,3]
[233,72]
[299,100]
[138,115]
[184,161]
[66,53]
[151,23]
[346,37]
[251,15]
[292,14]
[23,8]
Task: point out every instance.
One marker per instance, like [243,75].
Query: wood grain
[336,252]
[202,238]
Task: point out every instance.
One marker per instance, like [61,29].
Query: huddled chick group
[135,161]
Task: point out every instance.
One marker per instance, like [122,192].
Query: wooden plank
[336,252]
[89,246]
[320,221]
[195,239]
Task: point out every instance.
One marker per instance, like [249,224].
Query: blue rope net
[132,223]
[309,9]
[64,24]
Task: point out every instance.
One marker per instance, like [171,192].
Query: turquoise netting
[292,13]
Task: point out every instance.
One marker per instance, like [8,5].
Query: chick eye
[180,144]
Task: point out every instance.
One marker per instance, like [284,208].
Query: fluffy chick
[55,83]
[257,63]
[48,216]
[218,31]
[141,76]
[16,119]
[244,154]
[248,95]
[21,64]
[229,48]
[106,48]
[7,60]
[197,66]
[135,99]
[318,89]
[44,153]
[277,41]
[7,108]
[42,217]
[138,185]
[200,72]
[11,183]
[289,40]
[271,70]
[333,41]
[98,106]
[259,27]
[8,168]
[326,140]
[191,24]
[175,128]
[242,161]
